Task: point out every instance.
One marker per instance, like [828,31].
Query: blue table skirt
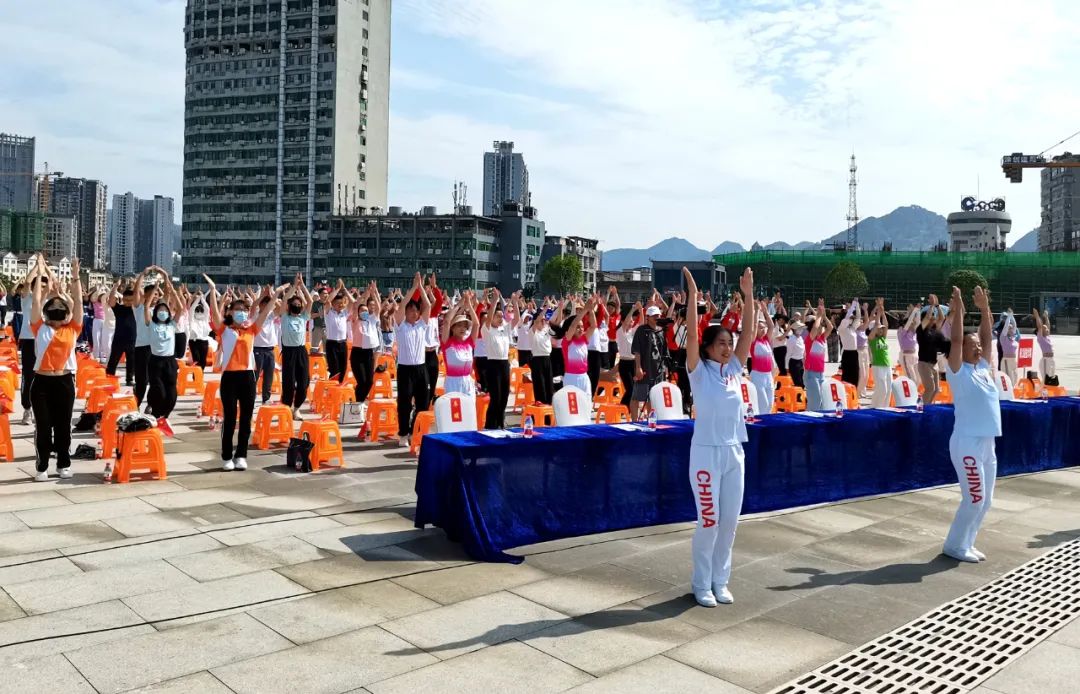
[494,494]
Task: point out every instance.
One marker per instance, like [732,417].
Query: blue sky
[639,119]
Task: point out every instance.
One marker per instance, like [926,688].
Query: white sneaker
[723,595]
[404,442]
[27,418]
[705,598]
[961,555]
[240,463]
[42,476]
[66,473]
[978,555]
[228,466]
[296,415]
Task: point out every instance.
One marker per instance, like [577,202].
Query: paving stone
[20,559]
[1049,667]
[65,592]
[581,557]
[354,659]
[39,539]
[83,512]
[760,653]
[147,659]
[869,549]
[341,610]
[671,563]
[506,668]
[1069,635]
[202,497]
[848,613]
[459,583]
[199,683]
[751,600]
[9,522]
[37,570]
[257,531]
[273,505]
[473,624]
[658,675]
[201,479]
[148,551]
[188,600]
[356,538]
[8,608]
[172,521]
[348,569]
[96,623]
[590,590]
[23,500]
[798,572]
[243,559]
[824,522]
[760,539]
[381,489]
[105,492]
[52,674]
[881,508]
[607,641]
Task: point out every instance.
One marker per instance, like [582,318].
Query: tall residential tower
[286,122]
[17,173]
[506,179]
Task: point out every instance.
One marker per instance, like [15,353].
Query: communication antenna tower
[853,208]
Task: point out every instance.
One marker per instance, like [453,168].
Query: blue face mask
[239,316]
[163,316]
[364,315]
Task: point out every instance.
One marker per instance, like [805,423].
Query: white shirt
[366,332]
[977,409]
[595,341]
[624,339]
[796,347]
[432,337]
[183,320]
[524,338]
[337,325]
[411,338]
[199,326]
[846,331]
[480,350]
[718,403]
[270,334]
[541,342]
[497,341]
[777,338]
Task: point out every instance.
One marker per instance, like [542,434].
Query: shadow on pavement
[893,574]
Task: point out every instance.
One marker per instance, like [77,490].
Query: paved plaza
[270,581]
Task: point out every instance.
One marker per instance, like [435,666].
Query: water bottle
[919,405]
[1044,395]
[750,413]
[213,422]
[839,410]
[527,427]
[652,420]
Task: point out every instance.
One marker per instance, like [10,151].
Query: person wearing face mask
[183,322]
[762,361]
[366,338]
[161,366]
[199,330]
[139,361]
[56,321]
[411,318]
[337,325]
[796,352]
[238,371]
[36,276]
[294,315]
[123,340]
[496,334]
[268,338]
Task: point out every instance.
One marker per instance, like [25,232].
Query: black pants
[498,380]
[524,357]
[626,375]
[199,349]
[362,361]
[682,378]
[138,364]
[780,356]
[162,393]
[795,368]
[480,366]
[28,359]
[237,391]
[543,390]
[558,368]
[335,359]
[611,353]
[16,323]
[294,375]
[53,399]
[122,346]
[431,369]
[595,363]
[849,366]
[412,384]
[264,366]
[181,345]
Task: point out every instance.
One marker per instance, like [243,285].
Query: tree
[845,281]
[562,274]
[966,280]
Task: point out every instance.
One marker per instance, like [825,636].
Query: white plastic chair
[749,396]
[1005,387]
[834,392]
[573,407]
[905,391]
[455,412]
[666,400]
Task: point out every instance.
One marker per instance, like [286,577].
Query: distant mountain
[728,247]
[1028,243]
[668,249]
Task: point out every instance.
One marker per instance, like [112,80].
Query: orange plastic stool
[424,423]
[99,395]
[790,399]
[113,411]
[785,382]
[327,439]
[317,367]
[523,395]
[273,424]
[84,378]
[140,450]
[382,419]
[336,398]
[209,396]
[386,359]
[189,377]
[275,385]
[381,386]
[8,384]
[483,402]
[542,415]
[5,439]
[612,414]
[320,390]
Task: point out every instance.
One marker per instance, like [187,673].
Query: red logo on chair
[745,394]
[571,401]
[667,397]
[1026,352]
[835,393]
[907,389]
[455,409]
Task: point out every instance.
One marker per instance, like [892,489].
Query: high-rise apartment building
[86,199]
[1060,228]
[155,232]
[584,249]
[506,179]
[122,234]
[61,236]
[286,123]
[17,173]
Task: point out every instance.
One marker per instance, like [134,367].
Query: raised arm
[37,291]
[588,308]
[138,287]
[693,348]
[986,326]
[1038,321]
[264,309]
[114,295]
[746,337]
[215,301]
[956,348]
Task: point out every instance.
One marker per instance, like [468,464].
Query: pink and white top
[815,356]
[761,356]
[1045,347]
[576,355]
[99,310]
[459,357]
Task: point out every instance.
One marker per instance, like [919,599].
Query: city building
[506,179]
[709,275]
[17,173]
[585,249]
[13,268]
[85,198]
[979,226]
[464,250]
[1060,229]
[286,124]
[633,285]
[122,234]
[22,232]
[61,236]
[154,228]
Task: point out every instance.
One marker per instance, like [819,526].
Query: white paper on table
[500,434]
[895,409]
[815,415]
[630,427]
[1031,402]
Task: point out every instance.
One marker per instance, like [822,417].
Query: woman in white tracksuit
[716,454]
[978,423]
[762,362]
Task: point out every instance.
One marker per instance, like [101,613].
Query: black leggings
[180,346]
[29,360]
[294,375]
[849,366]
[264,366]
[524,357]
[362,361]
[543,390]
[335,359]
[53,400]
[411,385]
[498,381]
[199,349]
[138,363]
[480,366]
[780,357]
[595,363]
[626,375]
[431,369]
[795,368]
[121,347]
[237,389]
[162,393]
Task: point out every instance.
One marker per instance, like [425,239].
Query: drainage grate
[955,647]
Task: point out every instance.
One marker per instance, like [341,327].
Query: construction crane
[45,191]
[1014,164]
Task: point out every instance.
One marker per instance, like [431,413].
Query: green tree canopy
[845,281]
[966,280]
[562,274]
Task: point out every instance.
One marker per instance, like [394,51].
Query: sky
[638,119]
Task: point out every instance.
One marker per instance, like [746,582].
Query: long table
[495,494]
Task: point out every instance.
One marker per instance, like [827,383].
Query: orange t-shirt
[54,348]
[237,343]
